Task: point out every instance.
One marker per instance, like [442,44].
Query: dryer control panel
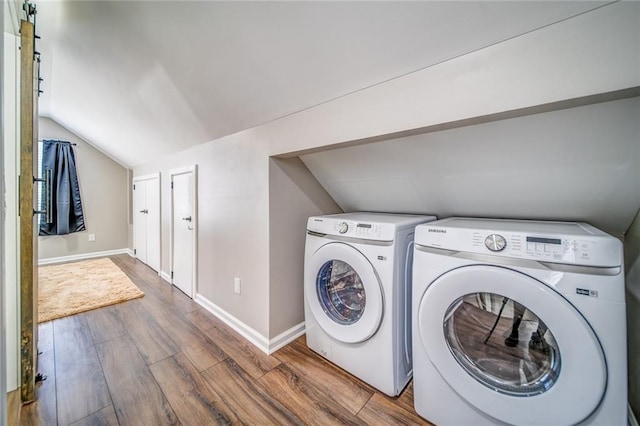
[571,243]
[353,229]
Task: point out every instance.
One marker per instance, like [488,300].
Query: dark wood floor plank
[195,370]
[137,398]
[381,410]
[13,407]
[250,401]
[43,411]
[69,323]
[336,384]
[405,399]
[199,348]
[304,399]
[193,400]
[248,356]
[105,324]
[45,336]
[152,342]
[80,385]
[203,319]
[148,281]
[105,417]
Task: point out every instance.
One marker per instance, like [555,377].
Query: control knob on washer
[495,242]
[343,227]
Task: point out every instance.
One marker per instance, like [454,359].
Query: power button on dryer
[343,227]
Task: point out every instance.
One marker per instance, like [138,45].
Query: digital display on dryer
[364,225]
[544,240]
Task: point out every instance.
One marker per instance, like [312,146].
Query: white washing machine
[357,279]
[518,322]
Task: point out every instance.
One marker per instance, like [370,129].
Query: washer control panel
[536,247]
[590,247]
[495,242]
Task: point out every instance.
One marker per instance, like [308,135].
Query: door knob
[188,218]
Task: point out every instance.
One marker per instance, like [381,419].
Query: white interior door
[152,192]
[184,224]
[140,220]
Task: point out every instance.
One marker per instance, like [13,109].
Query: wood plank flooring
[164,360]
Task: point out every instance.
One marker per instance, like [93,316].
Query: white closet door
[183,232]
[140,220]
[153,223]
[146,219]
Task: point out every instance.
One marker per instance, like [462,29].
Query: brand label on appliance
[440,231]
[382,257]
[586,292]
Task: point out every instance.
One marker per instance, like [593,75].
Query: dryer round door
[511,346]
[343,292]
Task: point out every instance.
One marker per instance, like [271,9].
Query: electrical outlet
[236,285]
[92,237]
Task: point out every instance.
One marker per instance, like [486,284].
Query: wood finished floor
[163,359]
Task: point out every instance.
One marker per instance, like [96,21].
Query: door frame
[137,179]
[194,196]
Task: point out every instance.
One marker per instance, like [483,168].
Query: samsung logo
[440,231]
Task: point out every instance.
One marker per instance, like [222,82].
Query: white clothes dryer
[357,289]
[518,322]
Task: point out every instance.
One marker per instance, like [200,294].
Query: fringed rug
[70,288]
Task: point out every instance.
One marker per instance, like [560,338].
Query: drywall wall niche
[103,184]
[580,164]
[294,195]
[538,68]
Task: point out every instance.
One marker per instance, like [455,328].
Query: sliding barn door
[27,208]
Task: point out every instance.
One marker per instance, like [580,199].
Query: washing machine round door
[343,292]
[511,346]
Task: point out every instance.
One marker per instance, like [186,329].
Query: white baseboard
[631,418]
[286,337]
[264,344]
[131,253]
[61,259]
[165,276]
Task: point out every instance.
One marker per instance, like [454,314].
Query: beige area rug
[71,288]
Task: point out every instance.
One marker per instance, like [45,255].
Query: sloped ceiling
[143,79]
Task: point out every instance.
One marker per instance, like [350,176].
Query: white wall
[539,68]
[632,271]
[294,195]
[577,164]
[10,165]
[233,224]
[3,380]
[9,301]
[104,188]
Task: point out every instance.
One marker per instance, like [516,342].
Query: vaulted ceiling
[143,79]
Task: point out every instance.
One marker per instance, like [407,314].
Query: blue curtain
[67,214]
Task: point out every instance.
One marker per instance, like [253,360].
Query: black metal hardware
[47,211]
